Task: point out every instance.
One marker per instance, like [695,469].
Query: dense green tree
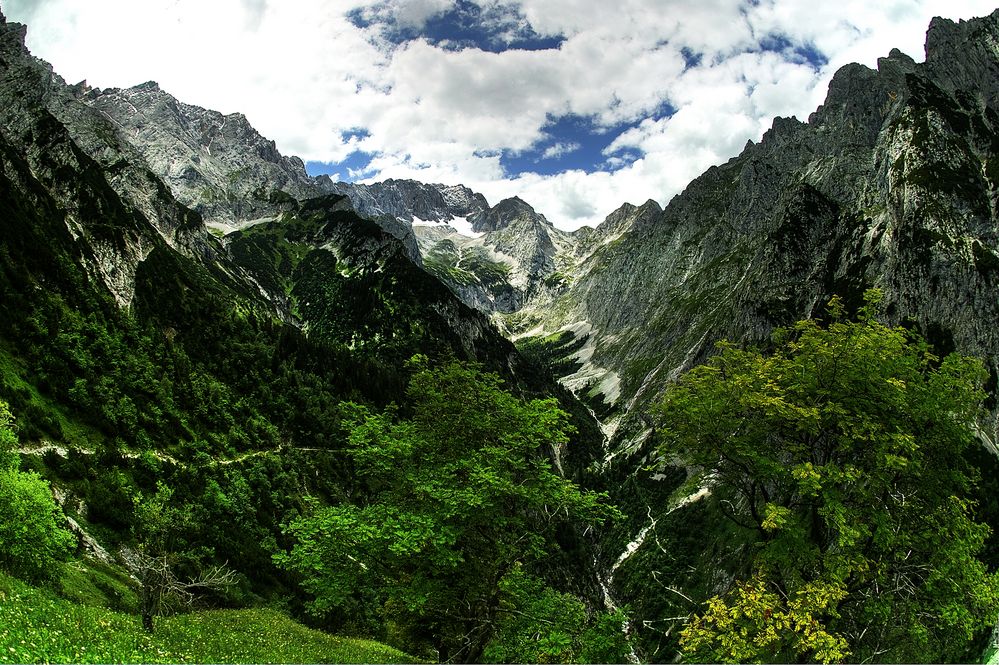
[159,559]
[460,494]
[843,453]
[8,438]
[541,625]
[32,537]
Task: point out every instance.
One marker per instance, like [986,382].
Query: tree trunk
[146,608]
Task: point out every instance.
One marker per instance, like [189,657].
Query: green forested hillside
[186,403]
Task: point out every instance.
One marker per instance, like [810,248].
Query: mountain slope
[75,154]
[892,183]
[215,164]
[41,627]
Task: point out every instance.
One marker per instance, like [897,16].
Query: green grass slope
[37,626]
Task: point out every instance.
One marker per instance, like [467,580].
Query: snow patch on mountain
[458,225]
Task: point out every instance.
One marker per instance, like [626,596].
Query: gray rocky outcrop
[217,165]
[498,259]
[410,200]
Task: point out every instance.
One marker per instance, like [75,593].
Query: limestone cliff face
[115,206]
[588,240]
[891,183]
[410,201]
[217,165]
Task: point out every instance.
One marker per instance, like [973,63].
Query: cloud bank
[477,91]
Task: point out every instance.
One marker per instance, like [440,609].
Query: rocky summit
[218,165]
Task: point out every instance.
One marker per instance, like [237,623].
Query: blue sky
[571,142]
[461,25]
[576,106]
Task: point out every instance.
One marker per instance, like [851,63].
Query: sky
[576,106]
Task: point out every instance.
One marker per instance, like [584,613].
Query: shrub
[31,536]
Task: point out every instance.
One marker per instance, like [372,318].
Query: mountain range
[129,203]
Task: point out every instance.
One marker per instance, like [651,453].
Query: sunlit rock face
[891,183]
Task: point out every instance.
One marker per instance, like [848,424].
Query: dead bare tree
[162,591]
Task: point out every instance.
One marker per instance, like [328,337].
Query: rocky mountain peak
[459,196]
[148,86]
[12,36]
[625,217]
[410,200]
[896,56]
[854,103]
[216,164]
[963,56]
[944,34]
[505,213]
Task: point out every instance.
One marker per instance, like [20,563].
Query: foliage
[460,493]
[36,626]
[541,625]
[155,563]
[8,439]
[31,535]
[754,622]
[844,453]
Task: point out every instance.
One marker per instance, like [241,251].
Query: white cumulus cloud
[307,76]
[559,149]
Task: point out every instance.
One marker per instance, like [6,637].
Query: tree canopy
[32,537]
[461,494]
[843,453]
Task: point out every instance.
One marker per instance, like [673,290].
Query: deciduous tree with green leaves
[541,625]
[460,494]
[8,438]
[32,537]
[155,561]
[842,453]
